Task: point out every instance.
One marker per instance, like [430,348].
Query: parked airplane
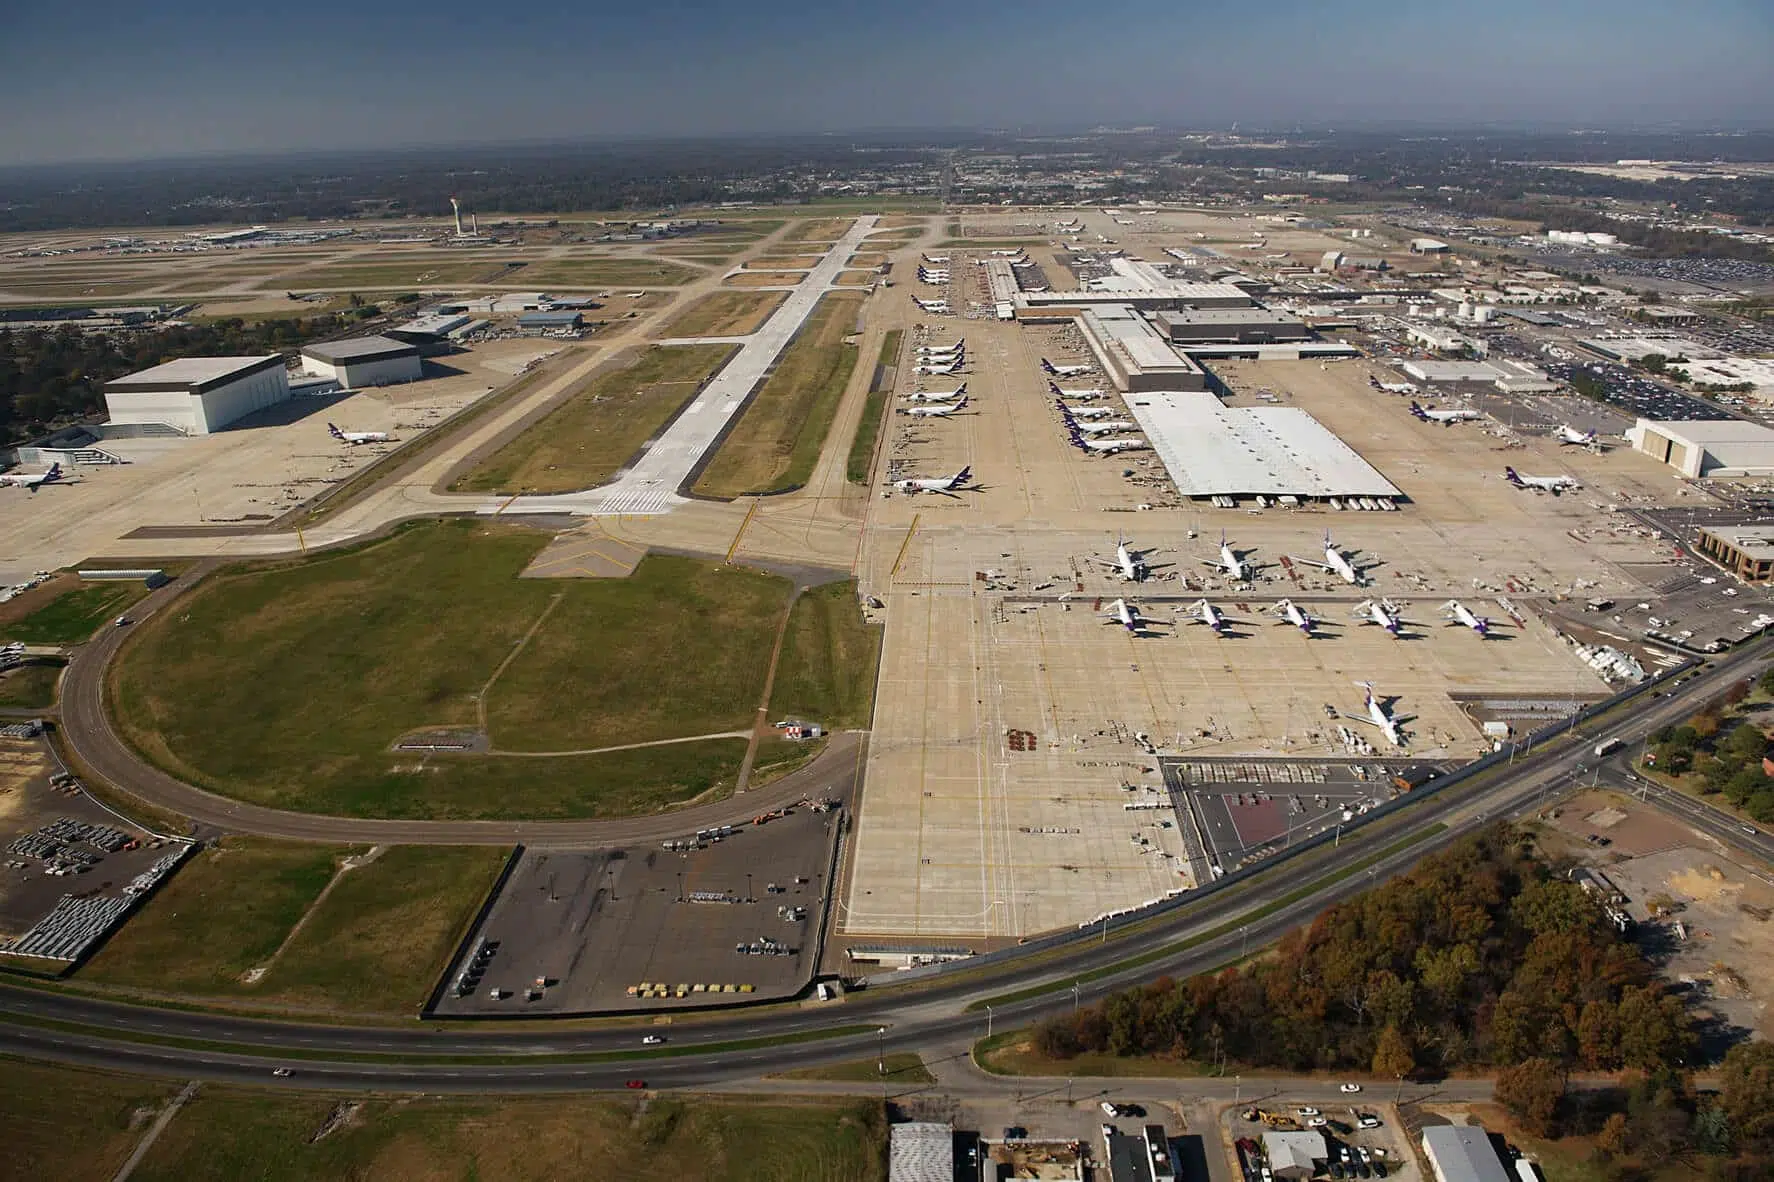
[939,356]
[1128,616]
[1378,716]
[1213,617]
[1081,393]
[1381,612]
[1458,613]
[934,307]
[1551,484]
[951,347]
[1105,428]
[1108,447]
[1129,563]
[1567,434]
[947,485]
[936,258]
[33,483]
[1446,418]
[1086,412]
[354,438]
[1231,562]
[1335,563]
[933,412]
[945,368]
[1392,387]
[1292,613]
[1063,371]
[937,395]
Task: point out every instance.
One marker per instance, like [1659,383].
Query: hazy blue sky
[108,79]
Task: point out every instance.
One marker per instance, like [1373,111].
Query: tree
[1531,1091]
[1613,1138]
[1746,1091]
[1393,1055]
[1598,1036]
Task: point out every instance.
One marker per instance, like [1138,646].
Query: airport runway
[651,486]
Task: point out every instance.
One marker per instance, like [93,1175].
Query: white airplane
[934,307]
[1063,371]
[1213,617]
[937,356]
[33,483]
[1381,612]
[1086,412]
[1128,616]
[942,369]
[1458,613]
[1290,612]
[1446,418]
[1567,434]
[933,412]
[951,347]
[1081,393]
[936,258]
[1105,428]
[1393,387]
[937,395]
[1551,484]
[1231,562]
[1008,254]
[355,438]
[947,485]
[933,278]
[1377,716]
[1129,563]
[1108,447]
[1335,563]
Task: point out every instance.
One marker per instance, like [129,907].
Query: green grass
[826,673]
[74,615]
[346,652]
[903,1067]
[868,428]
[230,1133]
[30,687]
[589,437]
[73,1123]
[1011,1053]
[776,442]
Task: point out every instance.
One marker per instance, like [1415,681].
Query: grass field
[348,651]
[817,230]
[776,442]
[786,262]
[868,428]
[826,673]
[65,1124]
[615,272]
[229,1133]
[764,279]
[1013,1053]
[74,615]
[724,314]
[30,687]
[903,1067]
[376,944]
[588,438]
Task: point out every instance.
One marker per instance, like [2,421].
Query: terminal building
[1244,326]
[1133,353]
[1211,450]
[363,361]
[198,395]
[1696,448]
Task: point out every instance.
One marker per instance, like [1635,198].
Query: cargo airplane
[1128,616]
[1129,563]
[1335,562]
[1446,418]
[1458,613]
[1081,393]
[1569,435]
[1105,427]
[1381,612]
[943,369]
[1108,447]
[355,438]
[1230,562]
[1544,484]
[1289,612]
[33,483]
[1378,716]
[1086,412]
[937,395]
[946,485]
[941,410]
[1063,371]
[1213,617]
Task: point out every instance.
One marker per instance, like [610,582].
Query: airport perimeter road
[651,486]
[744,1044]
[87,731]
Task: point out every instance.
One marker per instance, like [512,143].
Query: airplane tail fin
[1510,476]
[1417,410]
[55,470]
[963,474]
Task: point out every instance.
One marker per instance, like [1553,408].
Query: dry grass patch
[817,230]
[724,314]
[73,1122]
[764,279]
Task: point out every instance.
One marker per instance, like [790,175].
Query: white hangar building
[363,361]
[198,395]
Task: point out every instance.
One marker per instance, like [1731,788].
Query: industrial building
[1462,1153]
[543,322]
[1230,325]
[363,361]
[1444,340]
[1211,450]
[1133,353]
[1695,448]
[920,1151]
[1138,284]
[198,395]
[1747,551]
[1511,377]
[1295,1155]
[435,333]
[1428,246]
[1001,278]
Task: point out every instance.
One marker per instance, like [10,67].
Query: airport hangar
[1696,448]
[363,361]
[198,395]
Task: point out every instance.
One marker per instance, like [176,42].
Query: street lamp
[988,1021]
[1074,997]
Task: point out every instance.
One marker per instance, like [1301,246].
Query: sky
[109,80]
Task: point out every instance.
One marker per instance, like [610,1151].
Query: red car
[637,1083]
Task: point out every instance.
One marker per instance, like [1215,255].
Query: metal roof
[1215,450]
[359,349]
[1463,1153]
[920,1151]
[193,372]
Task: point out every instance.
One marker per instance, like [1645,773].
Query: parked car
[1349,1089]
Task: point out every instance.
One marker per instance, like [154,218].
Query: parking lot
[1363,1139]
[728,917]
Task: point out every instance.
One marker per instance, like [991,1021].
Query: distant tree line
[53,376]
[1725,753]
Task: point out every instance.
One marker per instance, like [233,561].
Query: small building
[1706,447]
[431,334]
[1295,1155]
[1127,1158]
[358,362]
[1747,551]
[1462,1153]
[198,395]
[921,1151]
[1428,246]
[541,322]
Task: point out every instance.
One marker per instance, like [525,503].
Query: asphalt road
[85,727]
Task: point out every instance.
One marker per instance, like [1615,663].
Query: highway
[701,1051]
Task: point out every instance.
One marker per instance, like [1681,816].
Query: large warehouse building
[1726,447]
[197,395]
[1462,1153]
[1230,325]
[364,361]
[1133,354]
[1212,450]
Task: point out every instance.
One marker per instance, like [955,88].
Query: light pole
[881,1056]
[988,1022]
[748,894]
[1243,940]
[1399,1094]
[1237,1089]
[1074,997]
